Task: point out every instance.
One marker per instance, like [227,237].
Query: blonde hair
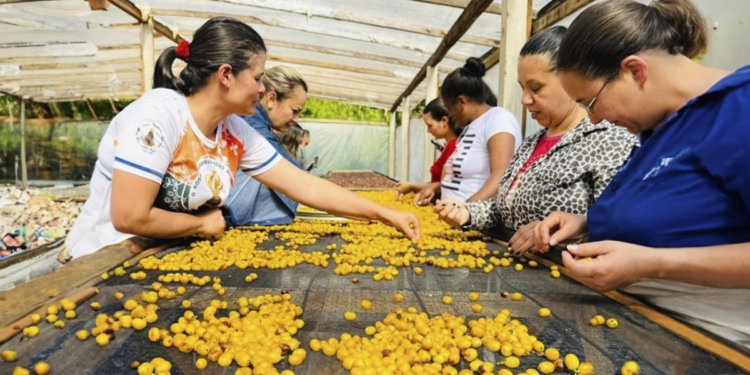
[282,80]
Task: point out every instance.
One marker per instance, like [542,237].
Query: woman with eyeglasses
[563,167]
[674,225]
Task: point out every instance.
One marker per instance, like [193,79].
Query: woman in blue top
[674,225]
[249,201]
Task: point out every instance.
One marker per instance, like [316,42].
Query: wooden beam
[514,37]
[493,8]
[405,119]
[24,172]
[114,106]
[557,14]
[147,54]
[343,52]
[137,12]
[356,18]
[363,37]
[328,65]
[392,146]
[91,109]
[542,21]
[429,150]
[462,24]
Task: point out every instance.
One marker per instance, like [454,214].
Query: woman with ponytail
[166,163]
[488,140]
[674,224]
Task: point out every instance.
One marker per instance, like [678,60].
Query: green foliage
[53,151]
[332,110]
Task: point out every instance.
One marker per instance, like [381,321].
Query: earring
[270,106]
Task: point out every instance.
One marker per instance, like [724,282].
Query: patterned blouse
[569,178]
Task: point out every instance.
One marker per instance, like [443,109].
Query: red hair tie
[183,51]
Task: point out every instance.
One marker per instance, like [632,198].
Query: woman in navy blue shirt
[674,225]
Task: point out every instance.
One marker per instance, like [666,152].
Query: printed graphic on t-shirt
[199,177]
[150,137]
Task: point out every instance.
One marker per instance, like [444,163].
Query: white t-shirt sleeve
[258,156]
[146,140]
[501,121]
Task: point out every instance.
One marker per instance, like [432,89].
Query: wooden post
[147,54]
[24,172]
[392,146]
[514,36]
[91,109]
[430,94]
[405,117]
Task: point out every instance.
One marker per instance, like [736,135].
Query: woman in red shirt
[441,126]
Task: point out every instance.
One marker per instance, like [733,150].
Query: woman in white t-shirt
[489,138]
[166,163]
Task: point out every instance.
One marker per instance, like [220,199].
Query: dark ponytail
[467,81]
[605,34]
[220,40]
[437,110]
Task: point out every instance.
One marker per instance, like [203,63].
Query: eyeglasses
[590,108]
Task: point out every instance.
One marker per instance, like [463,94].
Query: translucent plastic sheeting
[325,297]
[341,146]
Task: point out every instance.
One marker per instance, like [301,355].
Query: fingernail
[553,242]
[573,247]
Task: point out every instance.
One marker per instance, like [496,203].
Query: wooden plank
[147,54]
[494,8]
[137,12]
[392,146]
[557,14]
[405,119]
[514,37]
[91,109]
[687,332]
[24,171]
[51,49]
[358,19]
[542,21]
[429,150]
[329,65]
[462,24]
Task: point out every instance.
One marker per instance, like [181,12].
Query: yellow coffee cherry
[36,318]
[476,308]
[533,263]
[518,267]
[32,331]
[130,304]
[186,304]
[554,268]
[96,306]
[51,319]
[470,354]
[586,368]
[555,274]
[473,296]
[105,276]
[612,323]
[350,316]
[630,368]
[552,354]
[119,296]
[398,297]
[600,319]
[8,356]
[52,310]
[102,339]
[139,324]
[593,322]
[512,362]
[201,363]
[418,270]
[447,300]
[516,296]
[82,334]
[146,368]
[572,362]
[59,324]
[544,312]
[546,367]
[70,314]
[41,368]
[366,305]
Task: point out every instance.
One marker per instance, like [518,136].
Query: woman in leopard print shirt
[564,167]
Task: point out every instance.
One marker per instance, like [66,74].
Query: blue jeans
[250,202]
